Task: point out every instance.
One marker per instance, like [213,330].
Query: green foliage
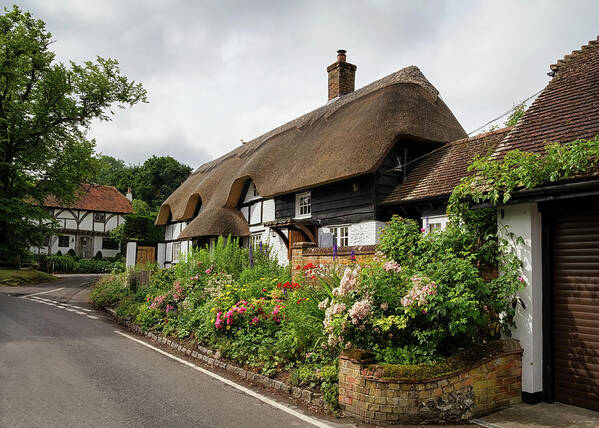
[108,291]
[47,107]
[494,181]
[399,239]
[16,277]
[70,264]
[139,227]
[142,208]
[516,114]
[151,182]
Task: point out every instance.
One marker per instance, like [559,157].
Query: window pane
[63,241]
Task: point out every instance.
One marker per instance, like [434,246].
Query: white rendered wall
[86,223]
[365,233]
[278,249]
[524,220]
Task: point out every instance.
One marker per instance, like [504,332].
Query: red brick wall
[489,385]
[303,253]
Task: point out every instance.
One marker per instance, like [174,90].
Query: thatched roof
[345,138]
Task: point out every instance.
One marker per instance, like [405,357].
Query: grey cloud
[219,71]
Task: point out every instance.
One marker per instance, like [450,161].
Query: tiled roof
[440,171]
[94,197]
[566,110]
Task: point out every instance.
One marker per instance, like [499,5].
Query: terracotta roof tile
[566,110]
[94,197]
[441,170]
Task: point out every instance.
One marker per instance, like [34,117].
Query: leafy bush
[399,239]
[109,291]
[68,264]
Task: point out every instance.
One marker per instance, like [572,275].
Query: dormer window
[303,205]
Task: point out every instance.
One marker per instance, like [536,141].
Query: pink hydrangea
[348,283]
[419,293]
[359,311]
[392,266]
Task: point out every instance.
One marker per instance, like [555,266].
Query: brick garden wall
[489,385]
[303,253]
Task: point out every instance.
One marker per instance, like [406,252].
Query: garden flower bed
[420,301]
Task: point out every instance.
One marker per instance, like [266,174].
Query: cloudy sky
[221,71]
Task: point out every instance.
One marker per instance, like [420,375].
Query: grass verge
[16,277]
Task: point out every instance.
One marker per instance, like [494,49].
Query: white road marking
[65,306]
[42,292]
[247,391]
[482,423]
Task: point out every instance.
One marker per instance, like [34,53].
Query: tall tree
[46,108]
[157,178]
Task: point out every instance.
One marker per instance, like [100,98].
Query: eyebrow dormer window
[303,205]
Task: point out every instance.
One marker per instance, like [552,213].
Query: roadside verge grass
[16,277]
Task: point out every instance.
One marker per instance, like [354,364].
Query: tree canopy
[151,182]
[46,108]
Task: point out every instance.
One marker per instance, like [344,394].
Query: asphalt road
[63,364]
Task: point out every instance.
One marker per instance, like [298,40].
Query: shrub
[64,264]
[399,239]
[109,290]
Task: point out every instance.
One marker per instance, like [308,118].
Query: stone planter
[486,386]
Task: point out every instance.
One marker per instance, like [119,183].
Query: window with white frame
[176,250]
[341,235]
[434,223]
[256,239]
[303,205]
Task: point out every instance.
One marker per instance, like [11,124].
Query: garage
[574,269]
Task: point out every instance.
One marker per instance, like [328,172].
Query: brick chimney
[342,76]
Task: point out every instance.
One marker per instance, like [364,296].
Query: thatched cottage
[321,177]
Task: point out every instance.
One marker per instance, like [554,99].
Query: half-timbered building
[85,225]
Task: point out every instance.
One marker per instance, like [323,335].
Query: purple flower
[352,256]
[334,248]
[260,246]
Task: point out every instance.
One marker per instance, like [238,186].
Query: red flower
[298,267]
[264,290]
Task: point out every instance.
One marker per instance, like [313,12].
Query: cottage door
[84,247]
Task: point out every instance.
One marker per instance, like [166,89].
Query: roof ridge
[574,54]
[483,135]
[407,75]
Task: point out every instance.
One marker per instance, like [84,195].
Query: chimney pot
[342,76]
